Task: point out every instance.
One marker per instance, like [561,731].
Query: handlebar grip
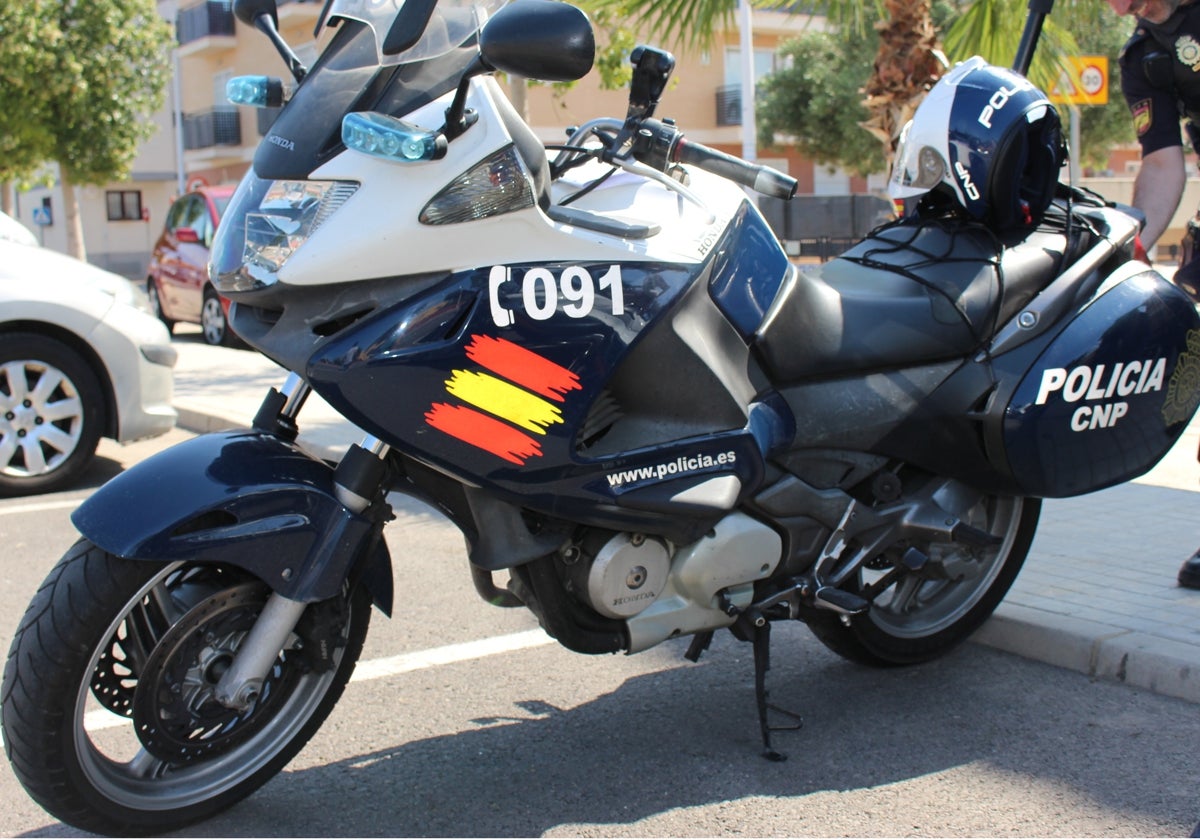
[759,178]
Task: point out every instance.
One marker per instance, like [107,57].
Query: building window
[124,205]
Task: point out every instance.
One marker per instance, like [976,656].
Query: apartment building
[201,139]
[705,97]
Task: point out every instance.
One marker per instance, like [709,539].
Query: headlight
[289,213]
[137,298]
[123,291]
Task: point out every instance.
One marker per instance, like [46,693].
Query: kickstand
[762,664]
[700,643]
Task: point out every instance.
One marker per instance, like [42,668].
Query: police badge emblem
[1188,52]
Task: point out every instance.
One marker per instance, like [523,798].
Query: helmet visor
[918,167]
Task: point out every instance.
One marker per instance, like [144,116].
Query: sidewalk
[1097,593]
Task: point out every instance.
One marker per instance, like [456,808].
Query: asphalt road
[434,740]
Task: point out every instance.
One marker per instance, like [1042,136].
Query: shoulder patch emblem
[1143,115]
[1188,52]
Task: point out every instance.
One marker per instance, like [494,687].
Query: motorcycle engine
[624,576]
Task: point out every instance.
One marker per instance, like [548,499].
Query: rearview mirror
[539,39]
[249,11]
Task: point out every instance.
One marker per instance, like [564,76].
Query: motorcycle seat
[910,293]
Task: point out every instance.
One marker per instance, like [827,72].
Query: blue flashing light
[387,137]
[259,91]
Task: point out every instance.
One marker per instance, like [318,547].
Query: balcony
[211,128]
[208,26]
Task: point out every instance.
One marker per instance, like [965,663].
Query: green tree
[909,58]
[79,82]
[817,101]
[1103,126]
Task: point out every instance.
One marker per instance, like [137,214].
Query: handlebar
[659,144]
[757,177]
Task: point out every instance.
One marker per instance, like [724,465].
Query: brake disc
[175,711]
[115,678]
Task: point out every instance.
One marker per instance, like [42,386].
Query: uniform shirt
[1158,106]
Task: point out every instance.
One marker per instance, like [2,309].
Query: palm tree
[908,62]
[909,59]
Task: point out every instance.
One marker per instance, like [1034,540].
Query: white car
[14,231]
[81,357]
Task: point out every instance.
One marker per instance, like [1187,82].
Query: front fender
[242,498]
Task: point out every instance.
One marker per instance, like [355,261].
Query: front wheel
[919,616]
[108,713]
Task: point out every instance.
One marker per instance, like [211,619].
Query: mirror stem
[458,118]
[265,25]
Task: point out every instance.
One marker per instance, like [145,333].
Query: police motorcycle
[597,361]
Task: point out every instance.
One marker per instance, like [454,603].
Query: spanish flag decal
[503,405]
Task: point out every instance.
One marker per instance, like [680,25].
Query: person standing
[1160,78]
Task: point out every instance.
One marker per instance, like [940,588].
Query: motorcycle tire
[917,619]
[112,653]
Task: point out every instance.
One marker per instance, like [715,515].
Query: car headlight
[124,292]
[136,297]
[287,215]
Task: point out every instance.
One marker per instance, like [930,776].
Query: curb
[202,422]
[1097,650]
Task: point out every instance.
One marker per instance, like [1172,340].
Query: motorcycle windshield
[431,43]
[354,73]
[408,31]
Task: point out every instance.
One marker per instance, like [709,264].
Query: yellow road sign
[1086,84]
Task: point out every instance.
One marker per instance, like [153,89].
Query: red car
[177,279]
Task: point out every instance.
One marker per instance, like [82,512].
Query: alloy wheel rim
[41,418]
[127,774]
[213,321]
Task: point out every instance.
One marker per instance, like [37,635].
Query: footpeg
[840,601]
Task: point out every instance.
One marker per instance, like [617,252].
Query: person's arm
[1157,190]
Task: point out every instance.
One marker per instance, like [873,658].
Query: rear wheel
[51,414]
[922,616]
[108,713]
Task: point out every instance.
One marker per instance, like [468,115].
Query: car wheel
[156,304]
[212,320]
[51,414]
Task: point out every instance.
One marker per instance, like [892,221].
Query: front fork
[357,481]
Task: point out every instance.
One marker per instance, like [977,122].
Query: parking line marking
[41,506]
[390,666]
[403,663]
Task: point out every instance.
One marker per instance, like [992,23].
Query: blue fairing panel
[748,271]
[1110,395]
[241,498]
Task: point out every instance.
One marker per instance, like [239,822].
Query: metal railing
[211,128]
[214,17]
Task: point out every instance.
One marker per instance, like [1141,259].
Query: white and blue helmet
[986,139]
